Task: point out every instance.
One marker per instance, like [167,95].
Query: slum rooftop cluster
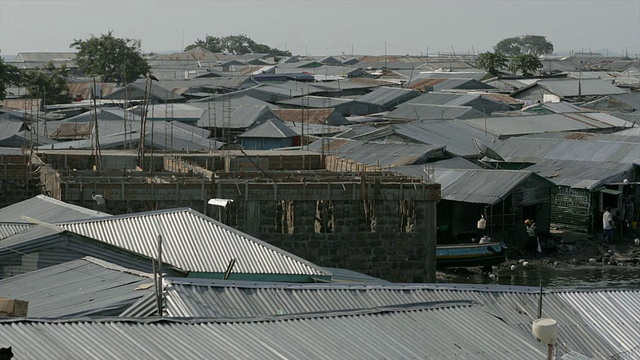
[398,113]
[559,147]
[85,277]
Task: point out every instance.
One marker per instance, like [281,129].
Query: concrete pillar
[252,218]
[430,239]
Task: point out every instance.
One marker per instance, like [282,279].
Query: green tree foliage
[491,62]
[114,59]
[9,76]
[528,44]
[48,83]
[525,63]
[235,44]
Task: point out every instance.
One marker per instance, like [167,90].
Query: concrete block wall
[384,251]
[372,243]
[392,256]
[18,180]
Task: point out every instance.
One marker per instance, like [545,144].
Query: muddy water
[561,276]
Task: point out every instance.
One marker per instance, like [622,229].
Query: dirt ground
[564,249]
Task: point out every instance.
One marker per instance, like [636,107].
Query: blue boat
[468,255]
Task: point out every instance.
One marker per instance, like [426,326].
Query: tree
[48,83]
[528,44]
[491,62]
[9,76]
[510,46]
[525,63]
[235,44]
[114,59]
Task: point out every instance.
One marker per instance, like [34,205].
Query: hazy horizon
[326,27]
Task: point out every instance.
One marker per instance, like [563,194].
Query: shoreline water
[579,260]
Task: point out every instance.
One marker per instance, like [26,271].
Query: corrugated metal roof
[85,287]
[503,98]
[590,149]
[197,53]
[104,113]
[471,185]
[173,111]
[361,83]
[612,328]
[385,333]
[343,276]
[456,136]
[85,89]
[273,128]
[44,56]
[325,70]
[588,87]
[136,90]
[353,132]
[29,239]
[450,99]
[448,84]
[377,154]
[46,209]
[316,102]
[160,134]
[388,96]
[408,111]
[203,298]
[315,129]
[9,128]
[507,126]
[603,75]
[30,105]
[632,99]
[634,131]
[72,130]
[580,174]
[9,229]
[457,162]
[561,107]
[222,115]
[193,242]
[311,116]
[176,136]
[189,129]
[476,74]
[280,92]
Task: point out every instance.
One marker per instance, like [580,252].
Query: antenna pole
[540,300]
[159,277]
[385,55]
[96,140]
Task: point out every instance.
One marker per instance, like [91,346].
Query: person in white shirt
[607,226]
[531,245]
[482,226]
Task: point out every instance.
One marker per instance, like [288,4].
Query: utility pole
[143,123]
[96,137]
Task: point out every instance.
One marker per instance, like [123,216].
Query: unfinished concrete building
[381,224]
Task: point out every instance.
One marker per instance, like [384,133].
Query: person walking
[531,245]
[607,226]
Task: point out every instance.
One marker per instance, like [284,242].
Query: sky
[328,27]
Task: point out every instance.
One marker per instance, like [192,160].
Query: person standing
[607,226]
[482,226]
[531,245]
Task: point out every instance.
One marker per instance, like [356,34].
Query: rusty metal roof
[311,116]
[72,131]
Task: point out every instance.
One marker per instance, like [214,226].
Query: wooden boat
[467,255]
